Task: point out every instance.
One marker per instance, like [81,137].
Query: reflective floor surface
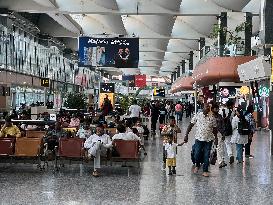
[248,183]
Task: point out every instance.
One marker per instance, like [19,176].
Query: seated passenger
[123,135]
[135,131]
[53,135]
[129,125]
[139,127]
[84,131]
[74,122]
[97,145]
[10,130]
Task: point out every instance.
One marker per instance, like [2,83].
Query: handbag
[213,156]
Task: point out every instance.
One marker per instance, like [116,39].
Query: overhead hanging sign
[107,88]
[109,52]
[140,81]
[256,69]
[130,79]
[159,92]
[45,82]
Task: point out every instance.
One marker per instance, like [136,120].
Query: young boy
[170,149]
[168,132]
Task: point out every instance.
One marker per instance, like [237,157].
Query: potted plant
[76,101]
[233,38]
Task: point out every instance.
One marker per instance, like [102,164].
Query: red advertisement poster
[140,81]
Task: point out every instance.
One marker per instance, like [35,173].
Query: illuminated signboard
[107,87]
[45,82]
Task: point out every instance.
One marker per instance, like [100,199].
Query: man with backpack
[227,114]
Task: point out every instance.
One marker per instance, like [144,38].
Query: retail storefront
[257,73]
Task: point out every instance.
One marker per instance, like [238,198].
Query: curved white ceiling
[168,29]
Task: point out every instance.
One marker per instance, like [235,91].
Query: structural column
[222,36]
[191,63]
[202,44]
[183,67]
[174,76]
[248,34]
[178,71]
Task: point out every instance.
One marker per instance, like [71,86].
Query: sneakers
[205,174]
[249,156]
[231,160]
[222,164]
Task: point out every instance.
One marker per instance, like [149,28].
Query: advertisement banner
[130,79]
[109,52]
[106,96]
[140,81]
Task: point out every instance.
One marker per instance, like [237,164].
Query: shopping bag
[213,156]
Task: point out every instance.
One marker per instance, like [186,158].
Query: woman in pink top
[74,122]
[178,111]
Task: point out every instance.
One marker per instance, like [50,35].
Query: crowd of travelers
[230,129]
[227,128]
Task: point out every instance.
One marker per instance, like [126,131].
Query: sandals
[95,174]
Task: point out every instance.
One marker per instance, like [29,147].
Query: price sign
[45,82]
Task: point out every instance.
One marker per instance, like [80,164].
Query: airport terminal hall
[136,102]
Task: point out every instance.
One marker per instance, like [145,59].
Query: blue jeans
[179,116]
[239,150]
[202,151]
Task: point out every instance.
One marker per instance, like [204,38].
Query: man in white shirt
[206,129]
[97,145]
[123,135]
[134,111]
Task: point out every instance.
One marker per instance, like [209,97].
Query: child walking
[170,149]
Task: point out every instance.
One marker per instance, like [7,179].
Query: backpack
[227,123]
[243,126]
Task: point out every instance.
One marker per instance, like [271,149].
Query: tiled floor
[249,183]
